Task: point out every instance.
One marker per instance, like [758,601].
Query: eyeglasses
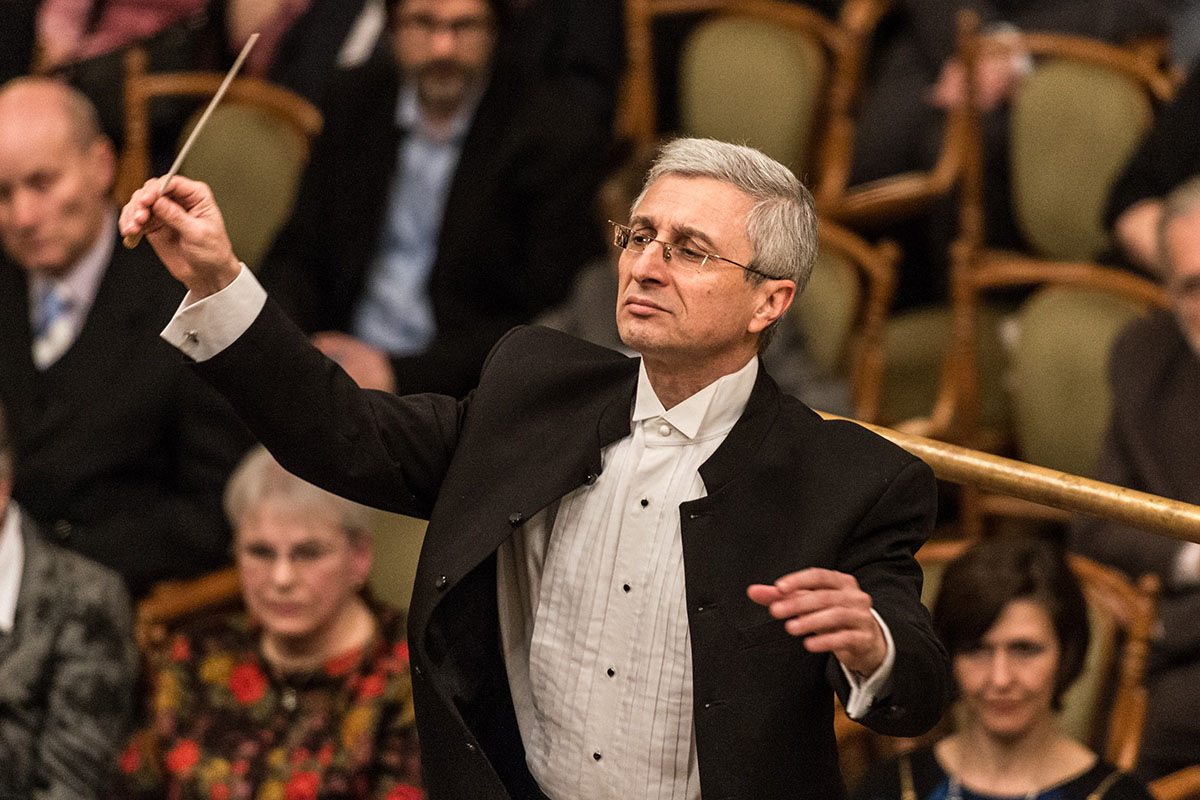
[458,27]
[689,258]
[302,555]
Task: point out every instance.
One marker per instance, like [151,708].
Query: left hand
[831,612]
[369,367]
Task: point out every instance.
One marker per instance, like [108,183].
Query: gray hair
[259,478]
[782,226]
[1179,202]
[5,449]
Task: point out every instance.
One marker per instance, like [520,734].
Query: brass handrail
[1047,486]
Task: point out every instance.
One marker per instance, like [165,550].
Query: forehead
[33,139]
[715,208]
[1021,619]
[280,522]
[445,8]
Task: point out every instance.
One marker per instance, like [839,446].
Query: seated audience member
[1014,620]
[121,452]
[447,200]
[588,312]
[307,693]
[17,36]
[67,661]
[1151,445]
[914,79]
[1166,157]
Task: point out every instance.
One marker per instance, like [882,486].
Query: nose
[442,41]
[23,207]
[282,572]
[650,266]
[1001,672]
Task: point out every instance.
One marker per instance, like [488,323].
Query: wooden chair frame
[1184,784]
[845,43]
[141,87]
[876,264]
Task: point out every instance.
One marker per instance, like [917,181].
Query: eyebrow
[683,232]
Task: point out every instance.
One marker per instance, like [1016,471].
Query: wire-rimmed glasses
[689,258]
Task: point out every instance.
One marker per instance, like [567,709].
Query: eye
[691,254]
[258,552]
[1028,649]
[641,239]
[308,552]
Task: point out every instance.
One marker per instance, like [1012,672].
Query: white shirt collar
[712,411]
[82,281]
[12,563]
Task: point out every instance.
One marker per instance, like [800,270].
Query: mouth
[642,306]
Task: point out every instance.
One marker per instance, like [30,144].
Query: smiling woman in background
[305,695]
[1014,621]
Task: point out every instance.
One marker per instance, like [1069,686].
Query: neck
[673,382]
[352,628]
[999,765]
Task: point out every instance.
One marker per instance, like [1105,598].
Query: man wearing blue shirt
[447,200]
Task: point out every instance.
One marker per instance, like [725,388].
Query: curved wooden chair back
[798,76]
[172,602]
[843,311]
[143,87]
[977,270]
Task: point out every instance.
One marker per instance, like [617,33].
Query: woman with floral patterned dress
[306,695]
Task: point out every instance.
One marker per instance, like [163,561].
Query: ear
[103,162]
[774,298]
[361,552]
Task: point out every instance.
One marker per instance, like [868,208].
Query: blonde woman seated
[307,694]
[1013,619]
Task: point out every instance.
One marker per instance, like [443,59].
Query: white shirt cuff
[203,327]
[863,691]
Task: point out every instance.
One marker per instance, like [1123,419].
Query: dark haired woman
[1013,619]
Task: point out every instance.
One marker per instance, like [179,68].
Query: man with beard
[447,200]
[1153,438]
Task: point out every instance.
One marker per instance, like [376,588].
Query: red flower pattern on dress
[299,756]
[340,665]
[183,756]
[247,683]
[219,791]
[401,651]
[372,686]
[181,650]
[302,786]
[131,759]
[404,793]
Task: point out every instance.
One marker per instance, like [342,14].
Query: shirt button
[516,518]
[626,588]
[596,755]
[611,672]
[645,502]
[591,478]
[441,582]
[664,429]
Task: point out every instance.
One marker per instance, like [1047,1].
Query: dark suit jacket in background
[518,222]
[118,449]
[786,490]
[1152,446]
[67,674]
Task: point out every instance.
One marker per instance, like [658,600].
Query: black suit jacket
[785,491]
[517,226]
[118,448]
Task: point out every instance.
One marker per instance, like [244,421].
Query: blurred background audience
[304,694]
[1151,445]
[430,223]
[120,451]
[67,660]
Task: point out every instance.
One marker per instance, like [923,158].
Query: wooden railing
[1049,487]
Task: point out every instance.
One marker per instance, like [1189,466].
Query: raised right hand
[187,232]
